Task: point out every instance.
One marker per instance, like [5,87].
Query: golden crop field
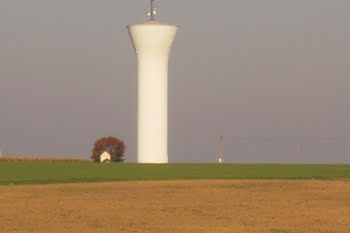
[222,206]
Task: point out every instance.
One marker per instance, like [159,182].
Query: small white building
[105,157]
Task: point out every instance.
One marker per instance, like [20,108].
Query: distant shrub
[114,146]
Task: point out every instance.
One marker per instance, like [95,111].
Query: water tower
[152,41]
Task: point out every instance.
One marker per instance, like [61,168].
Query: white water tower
[152,41]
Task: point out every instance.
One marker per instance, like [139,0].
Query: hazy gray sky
[272,77]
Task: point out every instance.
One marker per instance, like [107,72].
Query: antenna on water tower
[153,11]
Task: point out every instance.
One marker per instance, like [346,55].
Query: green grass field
[72,172]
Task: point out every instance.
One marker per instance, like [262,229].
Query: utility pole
[221,150]
[302,152]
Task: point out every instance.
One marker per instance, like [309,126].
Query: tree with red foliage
[114,146]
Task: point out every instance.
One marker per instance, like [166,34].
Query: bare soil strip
[178,206]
